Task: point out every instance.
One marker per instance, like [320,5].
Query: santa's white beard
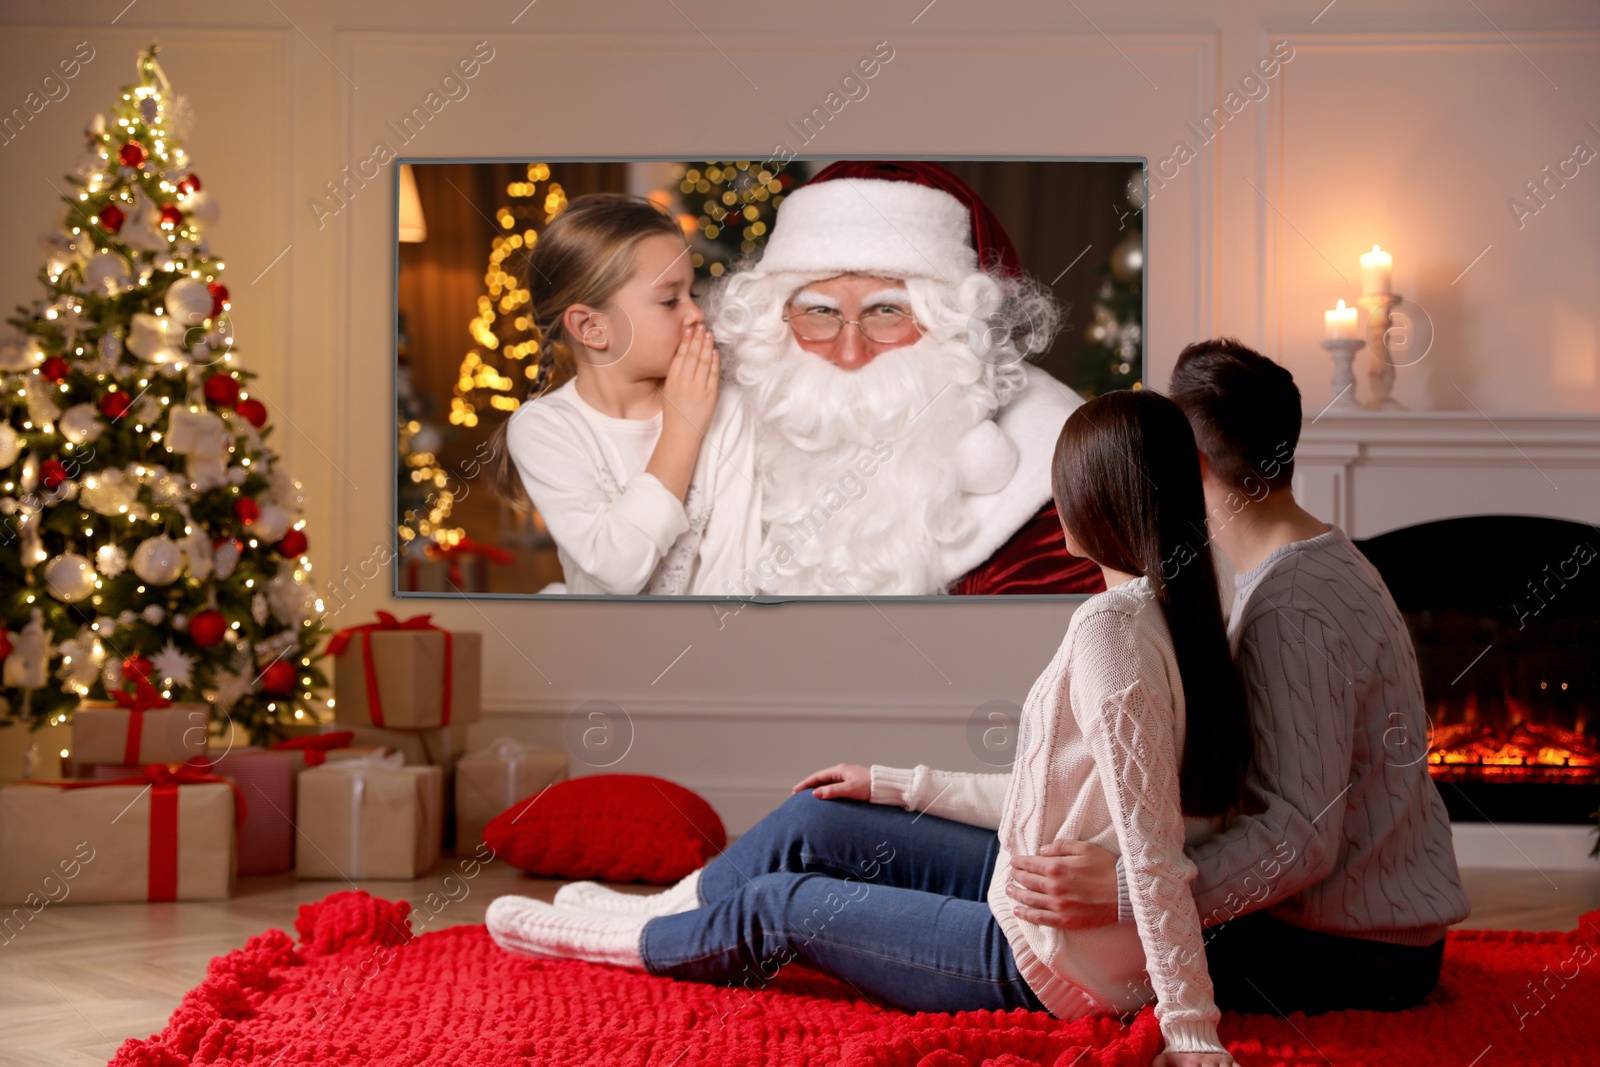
[858,475]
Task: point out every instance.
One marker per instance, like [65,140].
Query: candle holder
[1343,350]
[1380,368]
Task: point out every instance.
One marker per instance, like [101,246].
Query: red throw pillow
[614,827]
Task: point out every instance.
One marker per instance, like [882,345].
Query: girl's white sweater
[1097,761]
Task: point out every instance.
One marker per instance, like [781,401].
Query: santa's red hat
[896,218]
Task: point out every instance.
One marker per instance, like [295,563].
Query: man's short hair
[1245,410]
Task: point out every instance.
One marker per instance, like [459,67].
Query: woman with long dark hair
[1137,723]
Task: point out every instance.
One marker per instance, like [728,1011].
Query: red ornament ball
[171,217]
[246,510]
[132,154]
[190,184]
[52,473]
[112,218]
[222,390]
[5,643]
[254,411]
[55,368]
[293,545]
[115,405]
[137,669]
[219,297]
[279,678]
[207,627]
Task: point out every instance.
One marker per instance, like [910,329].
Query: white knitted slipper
[595,899]
[533,928]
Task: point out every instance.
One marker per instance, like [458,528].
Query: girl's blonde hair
[583,256]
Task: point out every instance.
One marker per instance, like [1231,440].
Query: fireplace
[1504,611]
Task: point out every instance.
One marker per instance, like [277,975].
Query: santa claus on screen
[904,441]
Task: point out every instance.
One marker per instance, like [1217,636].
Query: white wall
[1410,126]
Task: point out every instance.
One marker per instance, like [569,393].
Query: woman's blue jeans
[891,902]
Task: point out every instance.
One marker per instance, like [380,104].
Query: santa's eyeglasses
[884,324]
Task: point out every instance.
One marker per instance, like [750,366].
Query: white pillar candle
[1340,324]
[1375,266]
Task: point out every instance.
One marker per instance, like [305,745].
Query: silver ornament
[158,560]
[70,577]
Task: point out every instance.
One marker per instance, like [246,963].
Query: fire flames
[1512,746]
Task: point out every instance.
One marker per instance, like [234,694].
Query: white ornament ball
[81,423]
[107,273]
[158,560]
[19,353]
[153,614]
[226,557]
[202,207]
[10,445]
[180,623]
[188,301]
[126,617]
[70,577]
[270,525]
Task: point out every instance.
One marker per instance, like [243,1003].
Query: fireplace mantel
[1371,472]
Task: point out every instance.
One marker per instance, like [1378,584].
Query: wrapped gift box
[167,836]
[266,778]
[492,779]
[374,818]
[440,747]
[104,732]
[406,675]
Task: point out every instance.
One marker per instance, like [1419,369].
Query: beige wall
[1410,126]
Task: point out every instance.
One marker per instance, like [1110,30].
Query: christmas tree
[728,207]
[149,533]
[1111,356]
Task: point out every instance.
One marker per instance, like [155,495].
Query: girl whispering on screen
[643,463]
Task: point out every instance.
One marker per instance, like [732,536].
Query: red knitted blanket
[359,989]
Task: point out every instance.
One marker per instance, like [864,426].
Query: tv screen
[753,379]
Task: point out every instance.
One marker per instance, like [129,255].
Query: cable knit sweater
[1355,839]
[1097,761]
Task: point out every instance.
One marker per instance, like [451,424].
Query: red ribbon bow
[341,641]
[316,747]
[163,780]
[143,698]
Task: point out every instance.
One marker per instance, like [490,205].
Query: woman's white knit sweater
[1097,761]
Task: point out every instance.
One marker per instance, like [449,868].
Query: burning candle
[1340,324]
[1375,267]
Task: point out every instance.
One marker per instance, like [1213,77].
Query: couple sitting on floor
[1180,825]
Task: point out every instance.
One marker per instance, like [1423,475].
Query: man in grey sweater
[1337,892]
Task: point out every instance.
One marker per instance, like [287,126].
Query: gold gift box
[92,845]
[172,734]
[409,668]
[368,819]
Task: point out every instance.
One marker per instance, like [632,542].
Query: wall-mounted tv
[753,379]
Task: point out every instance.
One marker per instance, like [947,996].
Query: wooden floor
[78,980]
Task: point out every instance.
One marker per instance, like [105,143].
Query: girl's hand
[1193,1059]
[689,392]
[842,781]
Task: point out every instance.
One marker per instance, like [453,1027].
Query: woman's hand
[842,781]
[689,392]
[1193,1059]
